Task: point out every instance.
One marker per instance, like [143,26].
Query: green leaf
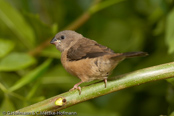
[57,74]
[170,32]
[31,76]
[16,61]
[51,51]
[54,28]
[42,30]
[5,47]
[172,114]
[14,20]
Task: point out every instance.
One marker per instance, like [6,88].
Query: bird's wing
[86,48]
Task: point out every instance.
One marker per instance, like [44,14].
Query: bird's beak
[54,40]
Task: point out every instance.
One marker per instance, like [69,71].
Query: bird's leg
[105,80]
[76,86]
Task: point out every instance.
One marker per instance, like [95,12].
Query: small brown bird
[87,59]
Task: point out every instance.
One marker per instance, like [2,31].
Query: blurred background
[30,68]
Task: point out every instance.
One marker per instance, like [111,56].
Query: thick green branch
[70,98]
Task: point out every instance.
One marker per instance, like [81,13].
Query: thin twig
[95,7]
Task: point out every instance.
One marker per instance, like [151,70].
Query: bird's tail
[134,54]
[129,55]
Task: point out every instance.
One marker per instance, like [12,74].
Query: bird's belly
[90,69]
[105,65]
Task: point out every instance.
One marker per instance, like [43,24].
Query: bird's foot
[76,86]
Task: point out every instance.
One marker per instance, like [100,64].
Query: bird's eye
[62,37]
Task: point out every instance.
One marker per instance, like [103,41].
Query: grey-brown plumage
[86,48]
[87,59]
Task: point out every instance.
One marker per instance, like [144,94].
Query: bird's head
[64,39]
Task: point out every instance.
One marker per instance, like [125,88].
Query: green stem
[16,95]
[70,98]
[2,87]
[103,5]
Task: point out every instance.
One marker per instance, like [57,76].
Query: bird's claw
[76,87]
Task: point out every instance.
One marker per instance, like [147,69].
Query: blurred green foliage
[130,25]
